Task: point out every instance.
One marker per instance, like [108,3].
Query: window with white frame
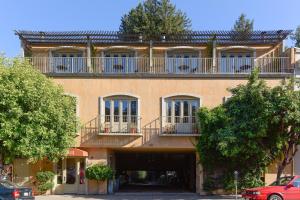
[68,62]
[120,109]
[119,62]
[181,110]
[178,62]
[236,62]
[120,115]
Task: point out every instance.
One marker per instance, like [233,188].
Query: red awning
[74,152]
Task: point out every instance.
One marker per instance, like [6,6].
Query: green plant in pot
[99,173]
[44,181]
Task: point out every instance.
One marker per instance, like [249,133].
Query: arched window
[237,59]
[179,114]
[68,60]
[120,114]
[182,60]
[119,60]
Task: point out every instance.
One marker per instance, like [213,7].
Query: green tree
[243,27]
[37,120]
[234,134]
[296,37]
[257,126]
[285,123]
[154,17]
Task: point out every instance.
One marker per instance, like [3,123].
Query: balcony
[113,125]
[160,65]
[173,125]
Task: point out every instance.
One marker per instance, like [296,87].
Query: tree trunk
[280,171]
[289,154]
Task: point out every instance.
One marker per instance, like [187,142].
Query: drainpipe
[89,62]
[214,52]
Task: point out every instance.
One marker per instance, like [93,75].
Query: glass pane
[296,183]
[185,108]
[133,108]
[177,111]
[59,172]
[71,171]
[125,110]
[185,111]
[177,108]
[107,110]
[116,110]
[194,107]
[169,111]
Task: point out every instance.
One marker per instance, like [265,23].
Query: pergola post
[214,55]
[89,60]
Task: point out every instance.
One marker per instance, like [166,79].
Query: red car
[287,189]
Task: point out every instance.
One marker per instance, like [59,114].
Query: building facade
[137,99]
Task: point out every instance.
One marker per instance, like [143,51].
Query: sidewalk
[136,196]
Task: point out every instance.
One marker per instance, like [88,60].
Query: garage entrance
[162,172]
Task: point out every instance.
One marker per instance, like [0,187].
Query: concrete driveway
[127,196]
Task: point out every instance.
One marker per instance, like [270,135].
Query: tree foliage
[154,17]
[296,37]
[252,129]
[242,24]
[243,27]
[37,120]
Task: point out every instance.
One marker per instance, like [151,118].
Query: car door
[5,192]
[292,192]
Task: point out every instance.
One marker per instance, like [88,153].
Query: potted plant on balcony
[195,129]
[106,128]
[99,173]
[133,128]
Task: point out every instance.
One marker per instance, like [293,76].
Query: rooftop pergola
[115,37]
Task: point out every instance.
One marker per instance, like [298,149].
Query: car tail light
[16,194]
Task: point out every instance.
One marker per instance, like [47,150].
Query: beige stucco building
[137,99]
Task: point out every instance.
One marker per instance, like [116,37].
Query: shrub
[99,172]
[44,181]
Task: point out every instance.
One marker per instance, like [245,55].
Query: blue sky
[57,15]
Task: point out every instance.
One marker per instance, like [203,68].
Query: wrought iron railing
[161,65]
[113,124]
[179,125]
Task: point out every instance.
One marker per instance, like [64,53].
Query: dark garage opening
[161,172]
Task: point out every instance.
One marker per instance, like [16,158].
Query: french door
[119,63]
[121,115]
[182,63]
[236,63]
[68,62]
[181,114]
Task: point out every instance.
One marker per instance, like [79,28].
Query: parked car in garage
[11,191]
[288,188]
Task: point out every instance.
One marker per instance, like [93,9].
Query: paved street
[134,197]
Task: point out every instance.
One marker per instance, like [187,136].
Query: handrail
[115,124]
[161,65]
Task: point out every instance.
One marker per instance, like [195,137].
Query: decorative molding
[236,47]
[183,47]
[119,47]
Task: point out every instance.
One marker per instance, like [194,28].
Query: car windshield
[8,184]
[283,181]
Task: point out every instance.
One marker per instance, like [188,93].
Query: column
[214,52]
[89,61]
